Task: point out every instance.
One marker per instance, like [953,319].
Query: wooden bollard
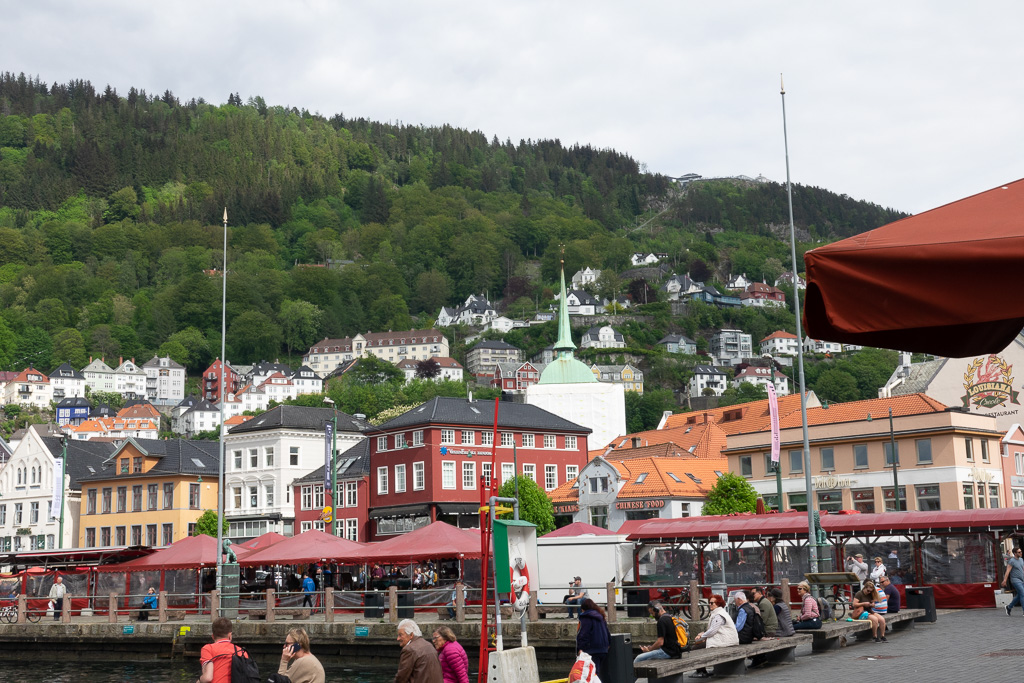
[112,609]
[271,601]
[460,602]
[161,607]
[214,604]
[611,611]
[694,600]
[393,604]
[329,606]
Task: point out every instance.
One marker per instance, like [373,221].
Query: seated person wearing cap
[577,594]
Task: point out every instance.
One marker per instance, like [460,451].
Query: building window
[746,467]
[399,440]
[137,534]
[152,496]
[993,490]
[319,500]
[137,498]
[105,537]
[238,497]
[448,436]
[508,439]
[828,459]
[351,494]
[122,498]
[485,472]
[399,479]
[447,474]
[151,534]
[254,458]
[268,493]
[798,501]
[549,441]
[530,471]
[888,453]
[968,496]
[486,438]
[3,511]
[796,463]
[306,497]
[468,437]
[924,452]
[90,505]
[33,512]
[468,475]
[969,445]
[890,498]
[238,459]
[254,496]
[168,496]
[830,501]
[528,440]
[550,477]
[599,516]
[984,450]
[352,529]
[90,537]
[382,443]
[570,443]
[1018,498]
[137,465]
[293,456]
[507,471]
[417,437]
[864,500]
[268,454]
[860,456]
[193,496]
[571,472]
[167,534]
[418,478]
[928,498]
[382,480]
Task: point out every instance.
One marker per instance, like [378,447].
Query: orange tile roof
[662,472]
[740,419]
[566,493]
[238,419]
[139,410]
[40,376]
[780,334]
[852,411]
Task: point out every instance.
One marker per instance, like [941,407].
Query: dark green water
[64,671]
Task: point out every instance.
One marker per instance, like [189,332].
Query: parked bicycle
[9,613]
[680,602]
[838,602]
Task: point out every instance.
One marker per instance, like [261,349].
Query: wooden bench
[831,634]
[728,661]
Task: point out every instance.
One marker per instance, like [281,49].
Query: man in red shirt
[215,658]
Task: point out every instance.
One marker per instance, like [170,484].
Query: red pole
[485,547]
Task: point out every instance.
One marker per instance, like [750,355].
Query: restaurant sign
[567,509]
[655,504]
[832,481]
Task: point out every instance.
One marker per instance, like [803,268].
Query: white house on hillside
[761,377]
[604,337]
[820,346]
[165,380]
[707,377]
[30,387]
[780,343]
[66,382]
[587,276]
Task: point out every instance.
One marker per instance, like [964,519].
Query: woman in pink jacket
[454,661]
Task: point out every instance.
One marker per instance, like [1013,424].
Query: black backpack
[756,624]
[243,667]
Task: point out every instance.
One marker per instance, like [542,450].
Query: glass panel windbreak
[139,583]
[966,558]
[791,560]
[670,566]
[107,583]
[181,581]
[745,565]
[897,553]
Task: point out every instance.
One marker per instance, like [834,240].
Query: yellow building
[148,492]
[631,378]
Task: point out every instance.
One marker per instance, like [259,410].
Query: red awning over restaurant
[941,282]
[578,529]
[937,521]
[746,525]
[191,552]
[309,546]
[435,541]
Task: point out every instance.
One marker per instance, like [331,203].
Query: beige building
[948,459]
[326,355]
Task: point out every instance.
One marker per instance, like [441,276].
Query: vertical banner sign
[773,409]
[328,441]
[58,488]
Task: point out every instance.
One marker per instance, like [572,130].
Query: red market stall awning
[937,521]
[192,552]
[578,529]
[76,557]
[309,546]
[939,282]
[741,526]
[435,541]
[256,544]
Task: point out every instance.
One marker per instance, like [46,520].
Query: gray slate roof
[85,458]
[176,456]
[299,417]
[460,411]
[707,370]
[493,344]
[203,406]
[65,370]
[919,377]
[352,464]
[78,401]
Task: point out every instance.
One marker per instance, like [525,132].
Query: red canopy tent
[578,529]
[432,542]
[745,525]
[192,552]
[259,543]
[939,282]
[309,546]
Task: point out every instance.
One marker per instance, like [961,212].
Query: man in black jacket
[667,645]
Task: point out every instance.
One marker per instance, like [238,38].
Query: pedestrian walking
[1014,577]
[57,592]
[418,662]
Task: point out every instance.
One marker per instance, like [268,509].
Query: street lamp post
[333,466]
[63,469]
[222,395]
[895,462]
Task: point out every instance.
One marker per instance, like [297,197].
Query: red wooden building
[426,464]
[350,515]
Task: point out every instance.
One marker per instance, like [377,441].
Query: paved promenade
[981,645]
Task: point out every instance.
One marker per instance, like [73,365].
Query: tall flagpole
[812,536]
[223,394]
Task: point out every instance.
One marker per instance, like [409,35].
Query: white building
[266,454]
[66,382]
[30,387]
[114,428]
[130,380]
[201,417]
[178,412]
[604,337]
[706,377]
[581,302]
[99,376]
[819,346]
[326,355]
[504,324]
[165,381]
[450,369]
[738,282]
[780,343]
[761,377]
[787,279]
[306,381]
[587,276]
[731,347]
[28,520]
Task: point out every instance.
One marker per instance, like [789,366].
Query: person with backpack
[810,613]
[218,658]
[592,635]
[749,625]
[297,662]
[721,631]
[667,645]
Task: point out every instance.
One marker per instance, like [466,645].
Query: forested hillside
[110,236]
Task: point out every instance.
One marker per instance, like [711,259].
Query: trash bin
[922,597]
[373,606]
[406,606]
[619,665]
[636,602]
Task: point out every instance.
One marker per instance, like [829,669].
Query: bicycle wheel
[33,615]
[705,609]
[8,615]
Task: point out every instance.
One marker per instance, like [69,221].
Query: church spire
[563,346]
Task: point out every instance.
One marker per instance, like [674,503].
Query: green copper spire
[563,346]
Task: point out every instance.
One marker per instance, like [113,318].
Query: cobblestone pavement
[981,645]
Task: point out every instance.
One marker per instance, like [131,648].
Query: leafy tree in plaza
[534,504]
[731,493]
[207,524]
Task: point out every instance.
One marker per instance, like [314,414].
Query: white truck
[597,560]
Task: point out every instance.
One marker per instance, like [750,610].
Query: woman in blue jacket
[592,635]
[149,603]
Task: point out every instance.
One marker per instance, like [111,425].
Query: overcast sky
[906,104]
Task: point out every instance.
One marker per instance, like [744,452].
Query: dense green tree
[373,370]
[68,346]
[534,504]
[644,411]
[731,493]
[300,323]
[197,348]
[207,524]
[252,337]
[745,393]
[836,386]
